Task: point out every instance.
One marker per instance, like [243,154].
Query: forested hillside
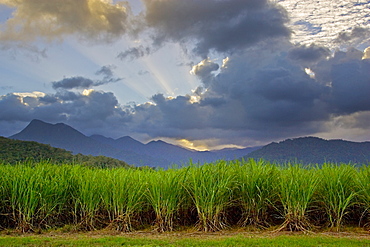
[15,151]
[313,150]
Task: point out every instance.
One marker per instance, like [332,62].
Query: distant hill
[153,154]
[172,153]
[64,136]
[15,151]
[313,150]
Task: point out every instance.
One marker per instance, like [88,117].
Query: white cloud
[321,22]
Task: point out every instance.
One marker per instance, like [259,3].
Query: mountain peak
[37,121]
[60,134]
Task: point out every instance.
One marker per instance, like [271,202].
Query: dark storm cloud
[81,110]
[351,86]
[248,100]
[311,53]
[223,26]
[275,95]
[263,101]
[12,108]
[348,77]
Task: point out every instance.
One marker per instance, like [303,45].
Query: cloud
[134,53]
[221,26]
[83,110]
[143,72]
[12,108]
[107,72]
[79,82]
[311,53]
[248,102]
[91,20]
[73,82]
[366,53]
[322,21]
[261,92]
[356,35]
[204,69]
[351,86]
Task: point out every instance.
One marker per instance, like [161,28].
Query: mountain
[154,153]
[174,154]
[124,143]
[63,136]
[15,151]
[313,150]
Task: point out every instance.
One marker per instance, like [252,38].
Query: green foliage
[255,191]
[363,184]
[123,196]
[297,187]
[165,193]
[213,196]
[337,191]
[14,151]
[35,193]
[211,187]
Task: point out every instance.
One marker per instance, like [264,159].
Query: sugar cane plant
[337,192]
[211,188]
[165,193]
[296,189]
[123,197]
[255,191]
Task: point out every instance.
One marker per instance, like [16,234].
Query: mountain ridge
[154,153]
[64,136]
[314,150]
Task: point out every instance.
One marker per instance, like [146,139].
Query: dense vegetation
[15,151]
[210,197]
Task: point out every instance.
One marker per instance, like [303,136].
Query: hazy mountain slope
[14,151]
[154,153]
[123,143]
[63,136]
[313,150]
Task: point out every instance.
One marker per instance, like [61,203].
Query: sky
[204,74]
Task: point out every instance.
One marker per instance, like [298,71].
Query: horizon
[185,146]
[201,75]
